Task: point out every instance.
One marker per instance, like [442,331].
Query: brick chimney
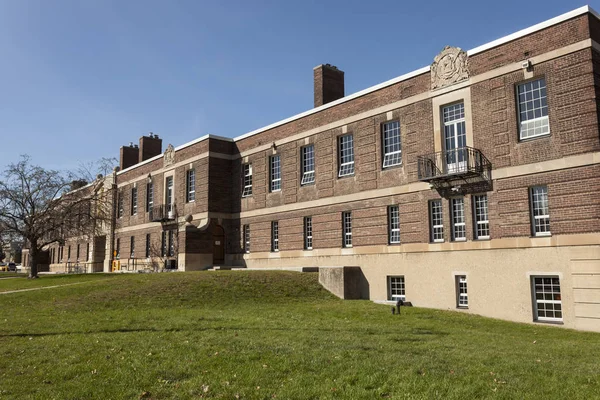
[329,84]
[129,156]
[150,146]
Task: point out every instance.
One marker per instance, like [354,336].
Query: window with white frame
[346,155]
[533,109]
[275,172]
[308,236]
[547,299]
[481,216]
[171,243]
[247,183]
[308,164]
[462,297]
[392,146]
[134,201]
[120,210]
[275,236]
[346,229]
[459,231]
[149,196]
[394,224]
[396,289]
[132,247]
[436,222]
[540,218]
[190,186]
[246,238]
[169,193]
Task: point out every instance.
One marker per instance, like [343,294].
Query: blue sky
[83,77]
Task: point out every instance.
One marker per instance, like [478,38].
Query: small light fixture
[526,65]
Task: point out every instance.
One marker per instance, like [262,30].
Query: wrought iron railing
[163,212]
[463,162]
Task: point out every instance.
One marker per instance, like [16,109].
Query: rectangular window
[87,251]
[69,253]
[190,186]
[462,298]
[169,193]
[533,109]
[481,216]
[247,189]
[308,237]
[275,236]
[120,211]
[148,245]
[540,218]
[457,207]
[118,248]
[163,244]
[149,196]
[392,146]
[308,164]
[455,138]
[436,222]
[77,253]
[275,172]
[393,224]
[246,238]
[547,300]
[346,229]
[132,247]
[346,155]
[396,288]
[134,201]
[171,243]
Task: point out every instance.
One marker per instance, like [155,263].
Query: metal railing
[461,162]
[163,212]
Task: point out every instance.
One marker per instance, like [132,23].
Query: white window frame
[539,210]
[149,196]
[392,144]
[457,213]
[120,209]
[396,288]
[308,233]
[246,231]
[481,216]
[346,229]
[134,195]
[247,180]
[345,155]
[132,247]
[532,104]
[436,222]
[544,286]
[307,160]
[462,294]
[190,196]
[275,173]
[393,224]
[274,236]
[169,192]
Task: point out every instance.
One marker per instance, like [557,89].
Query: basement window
[396,288]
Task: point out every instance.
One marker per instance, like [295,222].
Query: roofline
[505,39]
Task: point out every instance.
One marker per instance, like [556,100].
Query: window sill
[313,183]
[537,321]
[462,307]
[541,236]
[392,167]
[529,139]
[345,176]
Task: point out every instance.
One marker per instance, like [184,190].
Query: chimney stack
[150,146]
[329,84]
[129,156]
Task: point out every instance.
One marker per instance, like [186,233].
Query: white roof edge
[479,49]
[176,149]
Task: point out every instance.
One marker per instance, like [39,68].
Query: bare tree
[89,171]
[46,206]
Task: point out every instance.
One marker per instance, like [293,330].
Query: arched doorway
[218,245]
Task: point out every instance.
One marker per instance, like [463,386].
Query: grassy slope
[271,334]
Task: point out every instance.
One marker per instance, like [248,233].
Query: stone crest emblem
[169,155]
[449,67]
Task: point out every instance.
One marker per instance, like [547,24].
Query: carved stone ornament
[449,67]
[169,155]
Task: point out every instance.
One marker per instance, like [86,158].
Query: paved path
[48,287]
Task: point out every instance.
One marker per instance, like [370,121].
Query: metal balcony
[163,213]
[461,170]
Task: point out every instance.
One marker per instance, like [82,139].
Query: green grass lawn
[264,335]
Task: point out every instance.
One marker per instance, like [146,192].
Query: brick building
[470,184]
